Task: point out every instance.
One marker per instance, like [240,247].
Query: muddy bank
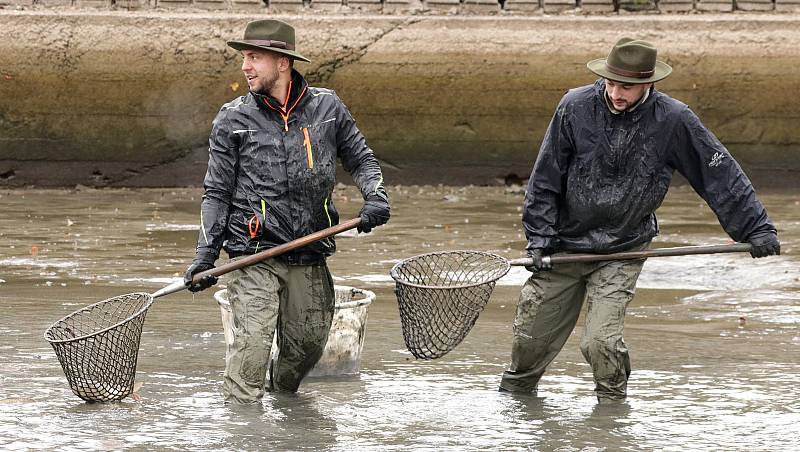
[126,98]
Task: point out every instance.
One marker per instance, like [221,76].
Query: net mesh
[97,346]
[440,296]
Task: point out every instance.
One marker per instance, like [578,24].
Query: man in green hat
[603,168]
[270,180]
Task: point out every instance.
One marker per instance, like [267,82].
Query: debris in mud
[515,190]
[135,393]
[512,179]
[8,175]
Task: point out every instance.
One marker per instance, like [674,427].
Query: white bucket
[342,354]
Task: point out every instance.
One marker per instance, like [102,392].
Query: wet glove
[374,213]
[764,244]
[202,262]
[536,254]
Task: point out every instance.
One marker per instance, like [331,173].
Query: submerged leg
[305,320]
[549,305]
[610,289]
[253,296]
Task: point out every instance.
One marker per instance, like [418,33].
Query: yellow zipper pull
[327,214]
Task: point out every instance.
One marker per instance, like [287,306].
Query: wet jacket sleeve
[357,158]
[713,173]
[219,184]
[546,184]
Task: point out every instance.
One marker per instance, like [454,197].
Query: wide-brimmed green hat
[269,34]
[631,61]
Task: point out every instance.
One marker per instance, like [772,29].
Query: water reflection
[714,340]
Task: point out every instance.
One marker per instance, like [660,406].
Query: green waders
[298,300]
[548,309]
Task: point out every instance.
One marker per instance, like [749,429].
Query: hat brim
[246,45]
[660,72]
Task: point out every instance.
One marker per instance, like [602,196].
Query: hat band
[626,73]
[271,43]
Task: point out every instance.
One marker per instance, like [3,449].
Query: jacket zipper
[285,116]
[283,108]
[307,143]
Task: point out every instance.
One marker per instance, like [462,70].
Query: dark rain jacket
[271,172]
[600,176]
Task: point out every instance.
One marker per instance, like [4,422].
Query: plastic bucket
[342,354]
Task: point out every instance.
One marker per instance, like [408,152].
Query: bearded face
[625,95]
[260,67]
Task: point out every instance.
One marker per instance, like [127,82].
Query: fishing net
[440,296]
[97,346]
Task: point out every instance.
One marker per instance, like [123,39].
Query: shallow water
[715,340]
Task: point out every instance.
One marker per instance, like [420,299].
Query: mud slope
[127,98]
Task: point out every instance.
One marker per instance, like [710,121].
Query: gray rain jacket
[599,176]
[271,172]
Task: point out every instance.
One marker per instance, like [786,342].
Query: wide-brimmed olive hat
[631,61]
[269,34]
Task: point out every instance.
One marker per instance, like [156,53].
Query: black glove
[764,244]
[201,263]
[536,254]
[374,213]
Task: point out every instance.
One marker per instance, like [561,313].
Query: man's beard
[267,84]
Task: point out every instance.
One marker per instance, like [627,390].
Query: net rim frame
[394,271]
[150,300]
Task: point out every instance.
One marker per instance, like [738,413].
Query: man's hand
[374,213]
[536,254]
[200,263]
[764,244]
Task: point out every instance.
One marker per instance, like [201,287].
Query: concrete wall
[126,98]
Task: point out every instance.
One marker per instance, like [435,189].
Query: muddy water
[715,341]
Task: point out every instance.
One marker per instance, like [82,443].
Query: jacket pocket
[319,143]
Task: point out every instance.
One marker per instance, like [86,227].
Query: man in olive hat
[603,168]
[270,180]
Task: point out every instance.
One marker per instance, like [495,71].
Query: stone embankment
[524,7]
[126,98]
